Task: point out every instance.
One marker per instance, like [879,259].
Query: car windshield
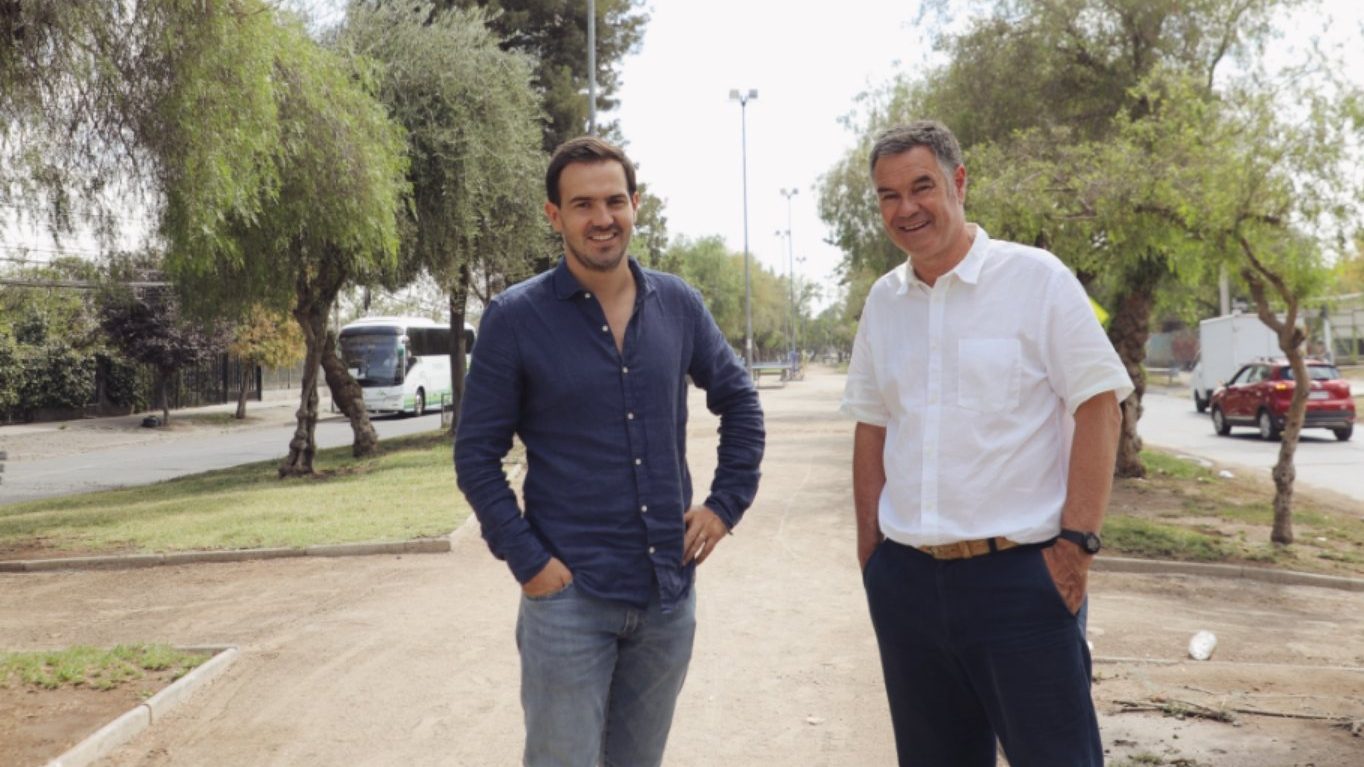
[372,359]
[1314,372]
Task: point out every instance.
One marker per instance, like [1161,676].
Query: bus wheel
[420,408]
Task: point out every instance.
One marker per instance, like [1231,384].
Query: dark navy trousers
[974,649]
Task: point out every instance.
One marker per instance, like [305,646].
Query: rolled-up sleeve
[730,394]
[1081,361]
[862,399]
[487,422]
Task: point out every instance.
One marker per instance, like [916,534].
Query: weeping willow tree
[275,175]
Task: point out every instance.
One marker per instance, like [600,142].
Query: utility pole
[791,272]
[592,67]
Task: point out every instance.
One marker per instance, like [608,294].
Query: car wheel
[1344,433]
[1219,422]
[1199,403]
[1268,430]
[419,409]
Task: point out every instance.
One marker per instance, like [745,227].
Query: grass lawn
[1185,511]
[93,667]
[407,491]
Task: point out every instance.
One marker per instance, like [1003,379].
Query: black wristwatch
[1089,542]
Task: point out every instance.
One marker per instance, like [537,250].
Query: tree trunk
[303,447]
[1291,340]
[350,399]
[1128,330]
[164,376]
[243,379]
[1285,471]
[459,294]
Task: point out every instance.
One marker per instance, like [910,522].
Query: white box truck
[1224,345]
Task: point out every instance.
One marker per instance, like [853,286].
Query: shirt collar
[967,270]
[566,286]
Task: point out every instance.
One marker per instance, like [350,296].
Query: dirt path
[388,660]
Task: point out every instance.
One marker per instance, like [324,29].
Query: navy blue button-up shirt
[605,432]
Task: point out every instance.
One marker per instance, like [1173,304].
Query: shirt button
[630,416]
[624,370]
[638,461]
[651,549]
[587,295]
[605,328]
[644,509]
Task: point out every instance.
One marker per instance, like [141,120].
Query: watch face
[1092,543]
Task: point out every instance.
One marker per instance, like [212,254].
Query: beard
[604,262]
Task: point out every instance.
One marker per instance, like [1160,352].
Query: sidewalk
[410,660]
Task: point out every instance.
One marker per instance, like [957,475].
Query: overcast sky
[808,62]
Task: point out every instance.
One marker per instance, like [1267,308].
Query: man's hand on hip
[704,531]
[1069,568]
[554,576]
[866,546]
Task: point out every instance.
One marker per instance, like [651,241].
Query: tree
[470,116]
[147,326]
[1035,91]
[1270,185]
[276,176]
[554,33]
[265,337]
[315,209]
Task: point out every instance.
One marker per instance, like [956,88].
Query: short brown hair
[588,149]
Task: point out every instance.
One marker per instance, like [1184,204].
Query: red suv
[1259,394]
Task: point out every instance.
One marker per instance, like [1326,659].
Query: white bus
[401,363]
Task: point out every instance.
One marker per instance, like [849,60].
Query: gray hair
[929,133]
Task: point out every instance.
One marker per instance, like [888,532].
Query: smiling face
[923,210]
[595,216]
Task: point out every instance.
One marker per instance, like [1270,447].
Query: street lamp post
[743,97]
[791,255]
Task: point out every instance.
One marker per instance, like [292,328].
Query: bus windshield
[373,358]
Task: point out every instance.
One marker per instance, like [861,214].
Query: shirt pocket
[988,374]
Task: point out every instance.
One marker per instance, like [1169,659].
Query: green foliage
[268,338]
[1134,536]
[93,667]
[718,273]
[554,34]
[248,507]
[471,121]
[55,376]
[1166,465]
[289,173]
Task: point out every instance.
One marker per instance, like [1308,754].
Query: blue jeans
[974,649]
[599,679]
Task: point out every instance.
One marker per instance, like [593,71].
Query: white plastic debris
[1202,644]
[814,720]
[1224,474]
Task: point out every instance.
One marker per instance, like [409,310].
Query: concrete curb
[121,730]
[1104,564]
[436,545]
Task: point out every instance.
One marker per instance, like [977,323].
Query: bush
[10,376]
[54,376]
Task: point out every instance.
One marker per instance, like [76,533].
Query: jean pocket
[558,593]
[988,374]
[1052,591]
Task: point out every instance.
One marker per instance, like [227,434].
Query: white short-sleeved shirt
[976,380]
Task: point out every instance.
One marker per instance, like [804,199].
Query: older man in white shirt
[986,399]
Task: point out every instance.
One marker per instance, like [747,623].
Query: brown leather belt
[967,549]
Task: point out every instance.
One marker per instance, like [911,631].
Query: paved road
[1170,421]
[146,463]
